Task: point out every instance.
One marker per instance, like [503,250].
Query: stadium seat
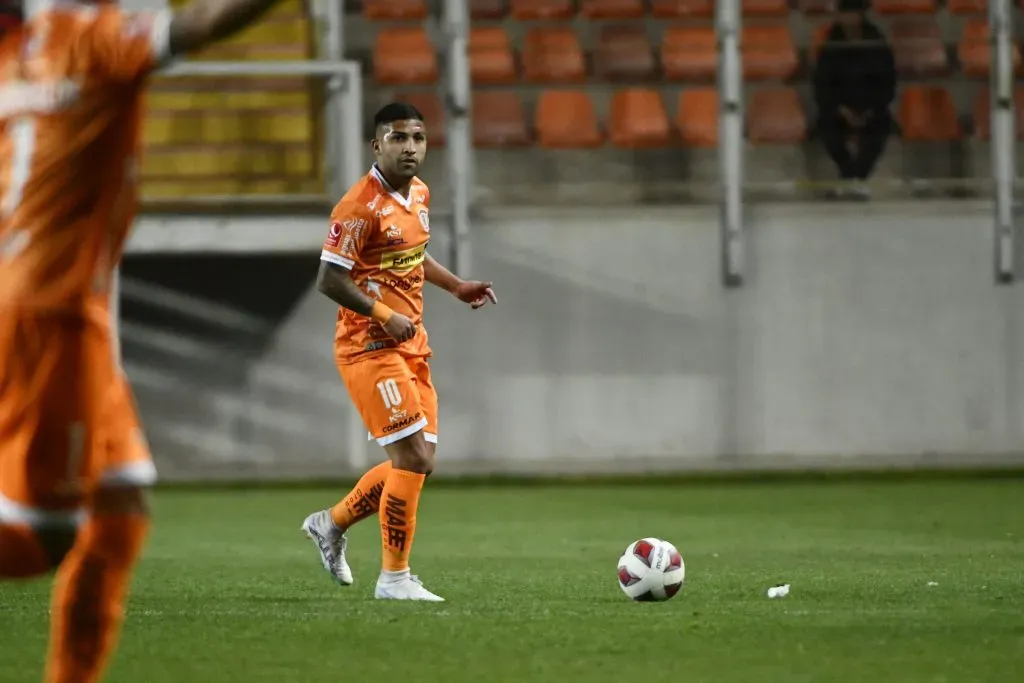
[918,49]
[565,119]
[967,7]
[983,109]
[689,53]
[612,9]
[221,126]
[499,120]
[231,161]
[697,117]
[638,119]
[765,8]
[237,135]
[904,6]
[974,50]
[487,9]
[683,9]
[490,56]
[532,10]
[404,56]
[768,53]
[552,54]
[624,54]
[433,112]
[395,10]
[927,114]
[776,117]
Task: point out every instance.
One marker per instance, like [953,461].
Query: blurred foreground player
[73,464]
[373,265]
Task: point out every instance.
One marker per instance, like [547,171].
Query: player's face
[400,147]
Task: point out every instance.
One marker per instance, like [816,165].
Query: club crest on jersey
[425,219]
[394,234]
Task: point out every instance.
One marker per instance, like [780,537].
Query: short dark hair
[396,111]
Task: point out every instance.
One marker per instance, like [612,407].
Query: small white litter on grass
[778,591]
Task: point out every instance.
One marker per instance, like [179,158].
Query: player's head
[399,140]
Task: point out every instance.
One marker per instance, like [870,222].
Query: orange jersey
[71,104]
[381,237]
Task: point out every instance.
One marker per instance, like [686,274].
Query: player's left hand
[475,293]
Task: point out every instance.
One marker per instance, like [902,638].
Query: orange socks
[399,501]
[89,597]
[364,500]
[21,555]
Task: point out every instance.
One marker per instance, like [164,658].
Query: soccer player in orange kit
[74,466]
[373,265]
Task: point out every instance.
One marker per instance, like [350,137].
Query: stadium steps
[239,136]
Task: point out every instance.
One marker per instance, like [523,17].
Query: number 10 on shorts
[389,392]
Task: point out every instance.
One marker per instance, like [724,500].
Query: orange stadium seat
[490,56]
[768,53]
[487,9]
[638,119]
[395,10]
[404,56]
[499,120]
[624,54]
[542,9]
[967,7]
[927,114]
[904,6]
[974,50]
[430,106]
[917,48]
[552,54]
[683,9]
[765,8]
[565,119]
[983,110]
[697,117]
[776,117]
[689,53]
[612,9]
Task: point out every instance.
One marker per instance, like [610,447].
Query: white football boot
[403,586]
[330,542]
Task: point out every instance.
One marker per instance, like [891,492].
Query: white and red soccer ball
[651,570]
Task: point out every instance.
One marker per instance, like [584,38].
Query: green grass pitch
[902,581]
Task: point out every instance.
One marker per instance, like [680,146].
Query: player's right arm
[350,227]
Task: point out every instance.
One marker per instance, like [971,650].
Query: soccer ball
[651,570]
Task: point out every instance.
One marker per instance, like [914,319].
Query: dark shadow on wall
[207,317]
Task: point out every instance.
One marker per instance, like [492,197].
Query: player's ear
[375,145]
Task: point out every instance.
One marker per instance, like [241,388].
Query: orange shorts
[67,419]
[394,395]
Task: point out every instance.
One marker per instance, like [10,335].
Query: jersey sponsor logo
[403,261]
[406,284]
[24,99]
[425,219]
[394,234]
[372,204]
[334,235]
[386,211]
[399,425]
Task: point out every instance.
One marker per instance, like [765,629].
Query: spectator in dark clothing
[854,83]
